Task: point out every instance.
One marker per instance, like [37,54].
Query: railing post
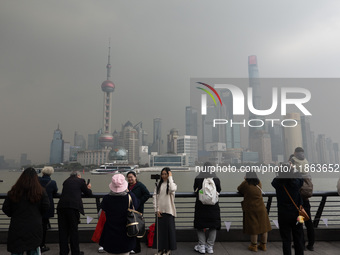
[269,203]
[98,204]
[319,212]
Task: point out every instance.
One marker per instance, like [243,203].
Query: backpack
[208,195]
[151,234]
[306,190]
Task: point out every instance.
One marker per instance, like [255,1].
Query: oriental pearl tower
[106,139]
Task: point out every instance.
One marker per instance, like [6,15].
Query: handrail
[230,207]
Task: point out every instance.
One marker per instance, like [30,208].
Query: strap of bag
[130,203]
[291,198]
[48,184]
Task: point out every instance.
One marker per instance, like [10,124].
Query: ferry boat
[110,168]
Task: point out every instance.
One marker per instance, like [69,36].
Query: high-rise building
[79,141]
[260,142]
[57,147]
[321,149]
[172,141]
[330,150]
[130,142]
[157,136]
[336,153]
[231,135]
[292,135]
[188,145]
[23,160]
[93,141]
[314,152]
[210,133]
[254,83]
[106,138]
[191,121]
[67,152]
[307,138]
[277,144]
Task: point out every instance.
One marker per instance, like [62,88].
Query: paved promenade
[221,248]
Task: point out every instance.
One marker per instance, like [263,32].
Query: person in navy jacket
[51,190]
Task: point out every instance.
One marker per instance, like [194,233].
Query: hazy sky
[53,56]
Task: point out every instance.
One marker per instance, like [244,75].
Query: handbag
[135,225]
[301,210]
[99,228]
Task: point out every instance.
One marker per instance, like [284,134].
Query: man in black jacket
[69,208]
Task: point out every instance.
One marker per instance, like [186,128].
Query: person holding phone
[69,207]
[165,210]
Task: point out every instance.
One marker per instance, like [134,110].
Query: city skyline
[52,65]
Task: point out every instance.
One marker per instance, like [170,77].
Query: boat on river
[111,168]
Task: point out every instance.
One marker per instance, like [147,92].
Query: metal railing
[324,205]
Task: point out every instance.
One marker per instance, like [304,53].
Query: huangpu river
[184,181]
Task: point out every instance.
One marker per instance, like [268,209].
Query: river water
[184,181]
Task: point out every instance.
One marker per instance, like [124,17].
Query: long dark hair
[251,178]
[166,169]
[27,185]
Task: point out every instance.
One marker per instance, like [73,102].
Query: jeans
[31,252]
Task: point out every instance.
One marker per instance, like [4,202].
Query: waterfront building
[157,136]
[191,121]
[24,161]
[172,141]
[168,160]
[57,147]
[260,142]
[321,149]
[79,141]
[188,145]
[67,152]
[130,142]
[292,135]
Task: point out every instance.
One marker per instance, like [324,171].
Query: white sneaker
[209,249]
[101,249]
[200,248]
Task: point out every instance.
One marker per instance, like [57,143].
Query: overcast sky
[53,56]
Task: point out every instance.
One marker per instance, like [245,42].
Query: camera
[155,176]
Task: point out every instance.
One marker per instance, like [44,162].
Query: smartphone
[88,182]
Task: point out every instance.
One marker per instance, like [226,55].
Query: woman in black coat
[114,238]
[206,216]
[25,203]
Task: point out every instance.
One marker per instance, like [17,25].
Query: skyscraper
[106,138]
[79,141]
[57,147]
[172,141]
[157,135]
[307,138]
[130,142]
[292,135]
[321,149]
[191,120]
[230,135]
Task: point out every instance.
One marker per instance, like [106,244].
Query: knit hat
[118,183]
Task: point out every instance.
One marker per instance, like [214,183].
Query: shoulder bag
[301,210]
[135,225]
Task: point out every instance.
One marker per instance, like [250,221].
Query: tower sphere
[106,140]
[108,86]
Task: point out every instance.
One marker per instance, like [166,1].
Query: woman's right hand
[159,214]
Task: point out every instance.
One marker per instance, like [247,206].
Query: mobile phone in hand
[88,182]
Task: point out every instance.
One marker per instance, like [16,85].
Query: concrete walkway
[221,248]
